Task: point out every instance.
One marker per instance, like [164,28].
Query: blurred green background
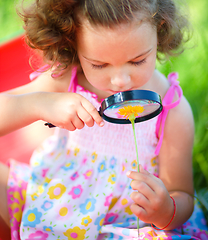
[192,67]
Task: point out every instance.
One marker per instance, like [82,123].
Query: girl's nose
[121,80]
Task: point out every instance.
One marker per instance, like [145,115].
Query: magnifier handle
[50,125]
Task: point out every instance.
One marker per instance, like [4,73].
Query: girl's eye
[104,65]
[138,63]
[98,66]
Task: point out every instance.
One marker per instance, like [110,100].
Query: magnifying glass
[143,104]
[117,108]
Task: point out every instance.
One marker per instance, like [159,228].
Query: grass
[9,21]
[192,67]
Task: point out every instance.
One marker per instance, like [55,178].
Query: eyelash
[98,66]
[139,62]
[132,63]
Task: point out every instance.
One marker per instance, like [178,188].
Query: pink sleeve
[168,104]
[73,82]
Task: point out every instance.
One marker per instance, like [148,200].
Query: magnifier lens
[140,107]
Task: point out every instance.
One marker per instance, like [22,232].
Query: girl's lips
[114,92]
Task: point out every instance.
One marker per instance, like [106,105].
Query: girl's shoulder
[48,80]
[179,113]
[179,109]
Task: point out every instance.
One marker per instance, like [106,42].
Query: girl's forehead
[123,41]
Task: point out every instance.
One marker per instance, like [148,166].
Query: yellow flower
[34,196]
[94,156]
[47,229]
[47,180]
[19,205]
[56,191]
[86,221]
[35,164]
[124,201]
[123,168]
[112,178]
[157,236]
[134,164]
[76,151]
[131,111]
[75,233]
[153,161]
[128,210]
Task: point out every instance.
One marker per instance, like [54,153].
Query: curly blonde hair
[50,25]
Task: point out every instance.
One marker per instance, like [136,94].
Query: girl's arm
[175,160]
[152,198]
[4,213]
[46,99]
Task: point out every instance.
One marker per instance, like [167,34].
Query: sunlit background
[192,67]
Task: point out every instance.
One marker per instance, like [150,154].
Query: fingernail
[102,124]
[128,173]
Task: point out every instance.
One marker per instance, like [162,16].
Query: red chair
[14,71]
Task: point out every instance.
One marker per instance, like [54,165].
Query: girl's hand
[68,110]
[152,200]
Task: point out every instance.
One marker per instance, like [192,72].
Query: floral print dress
[76,185]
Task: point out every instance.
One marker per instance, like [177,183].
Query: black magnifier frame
[128,96]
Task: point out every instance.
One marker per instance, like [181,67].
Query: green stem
[132,118]
[135,141]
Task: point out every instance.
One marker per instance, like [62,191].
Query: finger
[140,199]
[137,175]
[143,188]
[134,175]
[93,112]
[66,123]
[143,175]
[69,126]
[139,211]
[143,182]
[85,117]
[77,122]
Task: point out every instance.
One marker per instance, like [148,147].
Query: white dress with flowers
[78,188]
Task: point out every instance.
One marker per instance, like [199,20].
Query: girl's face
[117,59]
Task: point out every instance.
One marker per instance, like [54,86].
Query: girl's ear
[161,23]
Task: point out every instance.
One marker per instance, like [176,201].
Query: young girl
[79,182]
